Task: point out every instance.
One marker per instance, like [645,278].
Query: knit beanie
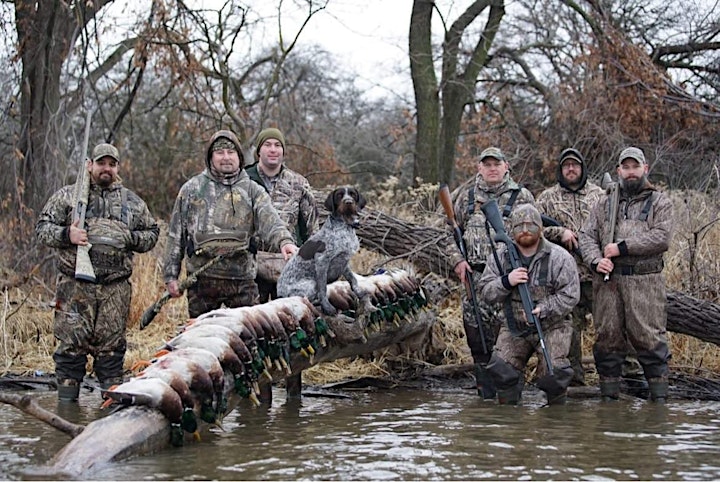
[269,133]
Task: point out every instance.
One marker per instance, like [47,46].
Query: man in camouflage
[631,304]
[90,317]
[218,213]
[569,202]
[551,276]
[492,181]
[291,197]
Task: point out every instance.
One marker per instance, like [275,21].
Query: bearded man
[631,304]
[550,274]
[569,202]
[91,316]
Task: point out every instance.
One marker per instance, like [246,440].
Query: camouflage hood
[571,154]
[229,136]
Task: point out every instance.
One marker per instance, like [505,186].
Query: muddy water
[403,434]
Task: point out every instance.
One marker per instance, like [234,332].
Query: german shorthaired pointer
[324,257]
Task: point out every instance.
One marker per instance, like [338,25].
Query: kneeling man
[550,274]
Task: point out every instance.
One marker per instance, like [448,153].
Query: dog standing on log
[325,257]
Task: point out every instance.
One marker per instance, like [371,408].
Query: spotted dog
[325,257]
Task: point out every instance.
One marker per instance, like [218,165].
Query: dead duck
[153,393]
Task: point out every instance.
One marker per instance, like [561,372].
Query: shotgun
[83,266]
[613,193]
[446,201]
[151,312]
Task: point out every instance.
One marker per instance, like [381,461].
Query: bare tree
[440,104]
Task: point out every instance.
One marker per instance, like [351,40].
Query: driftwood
[139,430]
[27,404]
[423,246]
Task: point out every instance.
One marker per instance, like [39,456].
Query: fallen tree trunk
[424,246]
[139,430]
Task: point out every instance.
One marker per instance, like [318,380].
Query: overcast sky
[368,36]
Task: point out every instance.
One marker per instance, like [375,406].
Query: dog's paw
[328,308]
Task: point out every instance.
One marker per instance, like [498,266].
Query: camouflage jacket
[118,223]
[570,209]
[212,216]
[293,200]
[553,283]
[642,242]
[471,219]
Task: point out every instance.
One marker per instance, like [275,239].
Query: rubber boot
[484,382]
[68,390]
[610,389]
[510,396]
[658,390]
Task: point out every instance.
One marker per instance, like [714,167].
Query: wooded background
[531,76]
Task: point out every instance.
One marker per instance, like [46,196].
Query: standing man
[551,276]
[217,213]
[569,202]
[492,181]
[90,317]
[631,304]
[291,197]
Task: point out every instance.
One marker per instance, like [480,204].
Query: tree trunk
[427,101]
[46,30]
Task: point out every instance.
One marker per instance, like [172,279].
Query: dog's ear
[360,200]
[330,202]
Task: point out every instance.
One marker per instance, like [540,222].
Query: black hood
[583,177]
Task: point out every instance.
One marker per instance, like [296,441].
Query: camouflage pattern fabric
[90,319]
[479,247]
[234,209]
[630,304]
[210,294]
[517,350]
[570,209]
[556,297]
[491,319]
[293,200]
[114,231]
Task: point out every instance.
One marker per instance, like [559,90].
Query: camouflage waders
[90,319]
[211,294]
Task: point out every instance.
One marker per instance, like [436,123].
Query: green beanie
[269,133]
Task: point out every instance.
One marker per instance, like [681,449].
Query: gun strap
[493,247]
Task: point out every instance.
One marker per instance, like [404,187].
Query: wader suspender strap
[646,208]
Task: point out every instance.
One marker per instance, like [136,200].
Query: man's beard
[104,181]
[527,240]
[633,186]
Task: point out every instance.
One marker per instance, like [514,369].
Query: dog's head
[345,203]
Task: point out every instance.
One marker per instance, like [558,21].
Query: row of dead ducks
[186,379]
